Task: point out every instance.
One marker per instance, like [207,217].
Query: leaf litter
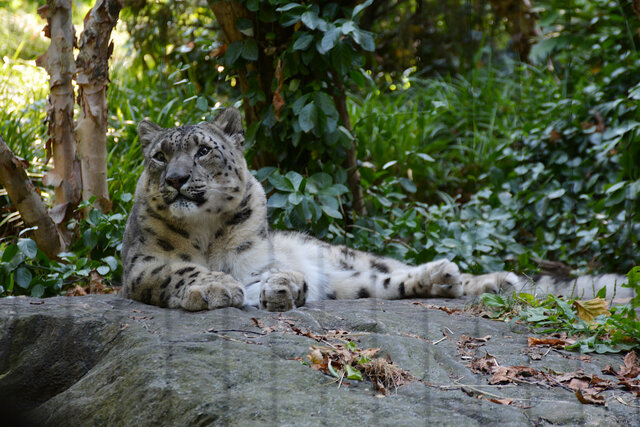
[346,360]
[338,355]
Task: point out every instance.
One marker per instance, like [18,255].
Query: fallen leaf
[316,357]
[504,401]
[58,213]
[551,342]
[508,374]
[629,374]
[472,342]
[534,353]
[487,364]
[308,334]
[590,398]
[631,368]
[590,309]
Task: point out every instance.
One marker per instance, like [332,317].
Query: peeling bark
[65,176]
[92,77]
[27,201]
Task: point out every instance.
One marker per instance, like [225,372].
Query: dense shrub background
[484,159]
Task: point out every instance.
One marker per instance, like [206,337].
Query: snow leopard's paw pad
[220,291]
[282,290]
[444,278]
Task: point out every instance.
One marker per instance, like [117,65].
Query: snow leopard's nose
[177,180]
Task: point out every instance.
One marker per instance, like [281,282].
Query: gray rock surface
[106,361]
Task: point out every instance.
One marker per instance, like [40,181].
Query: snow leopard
[198,238]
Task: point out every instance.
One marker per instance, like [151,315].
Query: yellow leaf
[588,310]
[316,356]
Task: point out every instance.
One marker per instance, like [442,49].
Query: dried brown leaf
[76,291]
[316,357]
[508,374]
[587,397]
[487,364]
[548,341]
[308,334]
[257,322]
[631,368]
[534,353]
[503,401]
[472,342]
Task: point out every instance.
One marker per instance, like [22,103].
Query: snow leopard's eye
[203,151]
[160,157]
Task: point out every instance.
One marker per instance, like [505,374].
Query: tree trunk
[351,161]
[26,199]
[521,20]
[59,63]
[92,77]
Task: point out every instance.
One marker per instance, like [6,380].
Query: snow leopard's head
[194,169]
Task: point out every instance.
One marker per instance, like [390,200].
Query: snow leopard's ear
[147,132]
[230,122]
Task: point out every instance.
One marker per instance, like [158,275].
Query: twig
[341,378]
[236,330]
[619,399]
[440,340]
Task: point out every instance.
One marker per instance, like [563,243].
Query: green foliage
[437,38]
[172,32]
[564,168]
[492,167]
[27,271]
[619,331]
[309,53]
[19,34]
[300,203]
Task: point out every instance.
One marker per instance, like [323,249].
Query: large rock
[106,361]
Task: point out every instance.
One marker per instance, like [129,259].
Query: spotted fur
[197,237]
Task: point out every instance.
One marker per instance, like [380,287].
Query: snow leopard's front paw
[218,291]
[282,290]
[444,278]
[492,283]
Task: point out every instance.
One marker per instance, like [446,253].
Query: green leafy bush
[306,204]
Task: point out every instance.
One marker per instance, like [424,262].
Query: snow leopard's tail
[583,287]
